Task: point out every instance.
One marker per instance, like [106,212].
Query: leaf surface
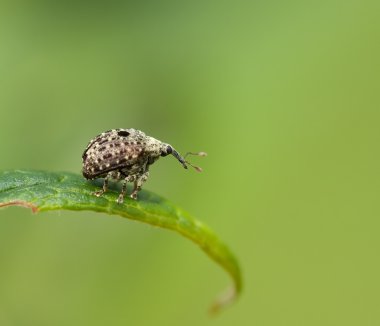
[45,191]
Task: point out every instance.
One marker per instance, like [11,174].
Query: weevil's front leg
[138,183]
[105,187]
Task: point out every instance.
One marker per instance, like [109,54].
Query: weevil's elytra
[125,154]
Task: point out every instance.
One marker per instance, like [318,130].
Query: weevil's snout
[166,149]
[178,157]
[183,161]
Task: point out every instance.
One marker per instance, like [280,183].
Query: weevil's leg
[120,199]
[138,184]
[105,187]
[134,191]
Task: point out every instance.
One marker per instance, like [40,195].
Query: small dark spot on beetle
[101,149]
[103,141]
[111,145]
[107,156]
[117,144]
[123,133]
[130,157]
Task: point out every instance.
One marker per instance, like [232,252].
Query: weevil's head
[167,149]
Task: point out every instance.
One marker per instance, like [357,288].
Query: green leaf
[44,191]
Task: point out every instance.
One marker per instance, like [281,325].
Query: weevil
[126,154]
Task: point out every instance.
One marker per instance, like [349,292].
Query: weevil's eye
[166,152]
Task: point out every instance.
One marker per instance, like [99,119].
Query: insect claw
[120,199]
[98,193]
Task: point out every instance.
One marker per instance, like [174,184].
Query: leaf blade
[44,191]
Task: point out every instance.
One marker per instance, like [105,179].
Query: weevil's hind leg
[138,184]
[120,199]
[105,187]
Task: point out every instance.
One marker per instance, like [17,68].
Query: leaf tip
[224,300]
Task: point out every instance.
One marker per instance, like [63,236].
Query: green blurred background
[283,95]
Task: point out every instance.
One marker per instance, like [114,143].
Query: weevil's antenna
[183,161]
[197,168]
[197,154]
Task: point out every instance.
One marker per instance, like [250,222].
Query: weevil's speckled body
[123,154]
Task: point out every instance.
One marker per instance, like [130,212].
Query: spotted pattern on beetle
[126,154]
